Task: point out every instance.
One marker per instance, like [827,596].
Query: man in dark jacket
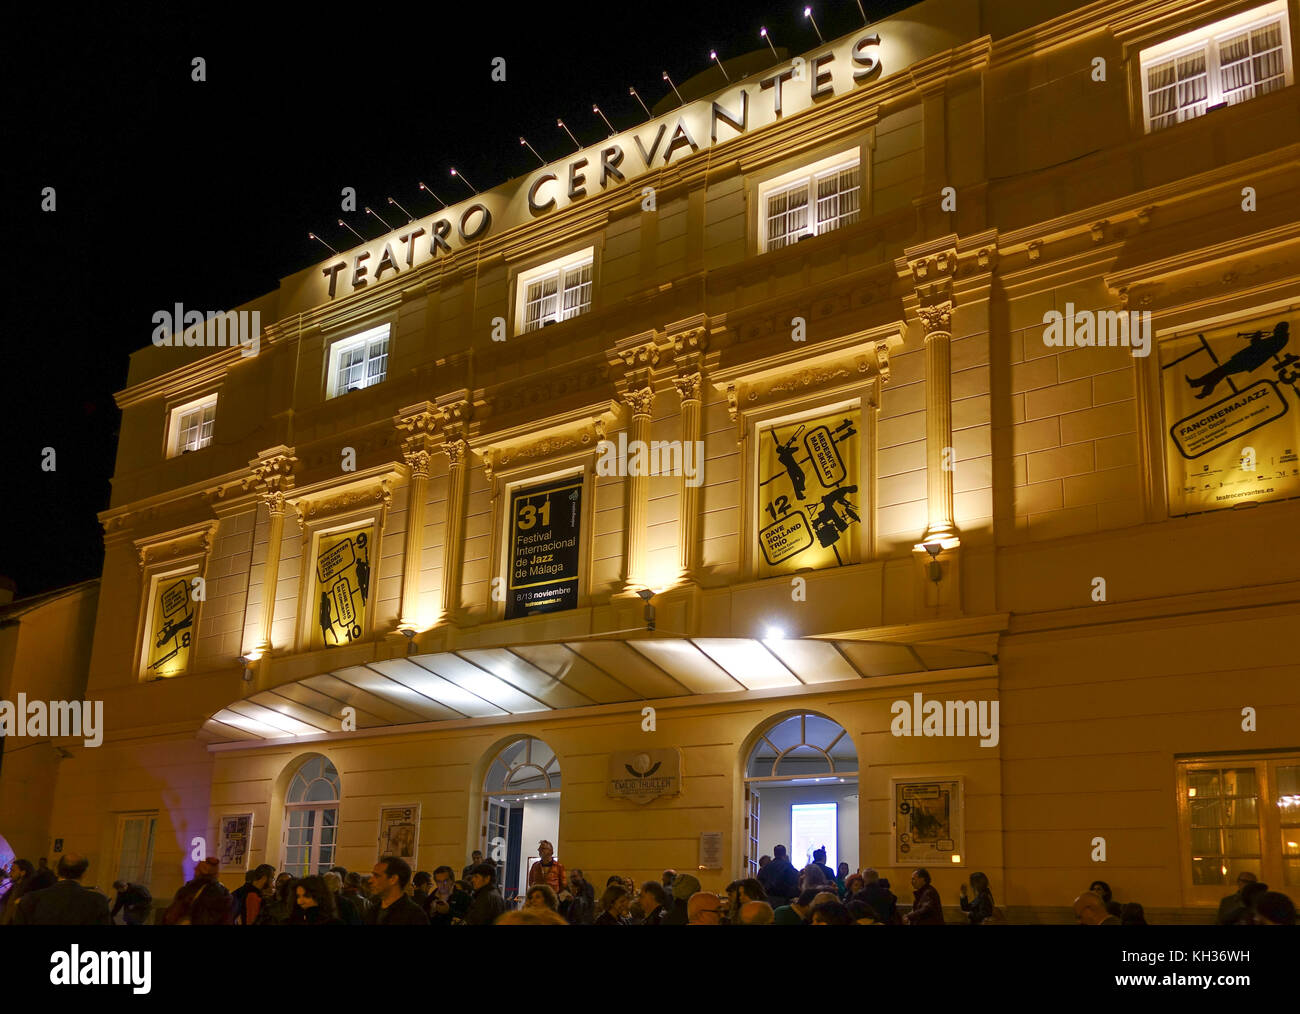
[447,903]
[66,903]
[927,909]
[779,878]
[487,903]
[204,901]
[393,906]
[248,899]
[882,900]
[134,902]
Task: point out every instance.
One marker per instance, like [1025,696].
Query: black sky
[203,193]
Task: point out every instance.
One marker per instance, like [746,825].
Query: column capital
[936,318]
[688,386]
[417,427]
[639,399]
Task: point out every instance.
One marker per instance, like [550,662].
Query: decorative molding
[882,361]
[191,541]
[311,509]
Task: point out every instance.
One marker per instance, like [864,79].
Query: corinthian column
[938,422]
[273,476]
[455,411]
[641,402]
[688,389]
[417,424]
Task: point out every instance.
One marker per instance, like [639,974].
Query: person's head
[284,891]
[819,855]
[1251,893]
[119,886]
[756,913]
[389,877]
[854,883]
[531,917]
[351,883]
[1273,908]
[652,896]
[482,875]
[831,913]
[613,878]
[541,896]
[282,879]
[1102,890]
[861,913]
[1132,914]
[805,898]
[422,880]
[778,852]
[341,871]
[615,901]
[260,876]
[843,870]
[73,867]
[920,879]
[870,876]
[668,878]
[21,869]
[1090,909]
[1245,877]
[475,857]
[763,861]
[752,890]
[444,881]
[704,908]
[812,876]
[979,883]
[577,878]
[311,892]
[332,882]
[546,850]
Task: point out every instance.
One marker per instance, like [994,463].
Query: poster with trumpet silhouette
[809,499]
[928,821]
[171,631]
[341,586]
[1232,414]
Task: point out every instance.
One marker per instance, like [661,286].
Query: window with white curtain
[810,201]
[554,292]
[190,428]
[1222,64]
[358,362]
[135,848]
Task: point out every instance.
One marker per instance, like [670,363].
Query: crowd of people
[391,894]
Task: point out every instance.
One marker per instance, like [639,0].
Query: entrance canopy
[529,678]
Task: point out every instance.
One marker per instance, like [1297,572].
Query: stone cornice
[184,542]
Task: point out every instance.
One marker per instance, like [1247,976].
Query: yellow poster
[809,510]
[171,629]
[342,586]
[1232,414]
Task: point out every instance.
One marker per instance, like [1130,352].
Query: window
[311,818]
[1222,64]
[135,848]
[358,362]
[1240,815]
[554,292]
[190,428]
[809,202]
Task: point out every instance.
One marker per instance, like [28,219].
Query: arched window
[803,746]
[526,765]
[311,817]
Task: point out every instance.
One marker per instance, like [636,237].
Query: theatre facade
[894,449]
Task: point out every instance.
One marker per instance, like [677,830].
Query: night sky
[203,193]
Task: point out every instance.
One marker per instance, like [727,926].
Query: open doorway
[801,791]
[522,793]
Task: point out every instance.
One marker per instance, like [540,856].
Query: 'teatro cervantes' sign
[755,102]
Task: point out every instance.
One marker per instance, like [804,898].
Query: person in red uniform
[547,870]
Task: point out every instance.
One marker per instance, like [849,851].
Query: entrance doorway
[801,791]
[522,807]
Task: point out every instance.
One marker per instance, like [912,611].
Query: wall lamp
[936,569]
[646,595]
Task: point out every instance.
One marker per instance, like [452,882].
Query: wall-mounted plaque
[710,850]
[342,586]
[1232,414]
[643,775]
[545,527]
[808,493]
